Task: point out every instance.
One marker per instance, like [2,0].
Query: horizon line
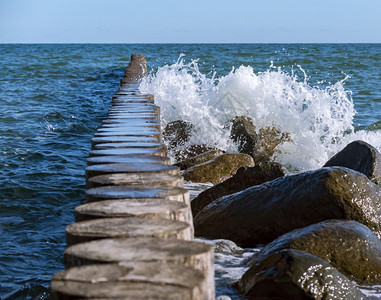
[173,43]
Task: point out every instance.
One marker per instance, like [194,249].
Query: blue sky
[196,21]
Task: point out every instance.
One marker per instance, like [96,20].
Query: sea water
[53,97]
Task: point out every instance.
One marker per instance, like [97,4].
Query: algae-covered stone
[189,151]
[218,169]
[361,157]
[293,274]
[261,213]
[198,159]
[349,246]
[243,179]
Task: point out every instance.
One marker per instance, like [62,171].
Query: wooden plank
[85,231]
[130,281]
[137,158]
[126,192]
[136,179]
[128,151]
[151,145]
[135,168]
[139,208]
[188,253]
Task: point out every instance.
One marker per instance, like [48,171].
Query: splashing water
[319,121]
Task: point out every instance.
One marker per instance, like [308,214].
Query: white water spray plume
[319,121]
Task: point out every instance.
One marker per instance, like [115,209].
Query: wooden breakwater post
[133,239]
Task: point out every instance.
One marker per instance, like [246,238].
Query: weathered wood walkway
[133,239]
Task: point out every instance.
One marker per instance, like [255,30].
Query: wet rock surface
[218,169]
[198,159]
[262,213]
[261,145]
[361,157]
[293,274]
[177,133]
[191,151]
[243,132]
[348,245]
[243,179]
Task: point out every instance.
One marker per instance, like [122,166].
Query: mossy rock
[218,169]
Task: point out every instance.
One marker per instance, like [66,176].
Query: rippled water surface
[53,97]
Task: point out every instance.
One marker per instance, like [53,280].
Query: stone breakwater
[133,239]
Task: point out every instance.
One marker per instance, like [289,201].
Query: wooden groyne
[133,239]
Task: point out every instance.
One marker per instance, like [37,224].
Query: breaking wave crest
[318,120]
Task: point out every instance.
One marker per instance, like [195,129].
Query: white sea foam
[318,120]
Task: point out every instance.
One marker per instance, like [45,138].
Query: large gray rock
[349,246]
[261,213]
[219,168]
[361,157]
[244,178]
[293,274]
[261,145]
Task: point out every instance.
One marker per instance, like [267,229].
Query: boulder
[268,139]
[198,159]
[349,246]
[293,274]
[261,213]
[243,133]
[361,157]
[188,152]
[244,178]
[261,145]
[177,133]
[219,168]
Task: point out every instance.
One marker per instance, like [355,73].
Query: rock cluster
[261,213]
[320,229]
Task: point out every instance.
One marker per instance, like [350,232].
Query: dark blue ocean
[53,98]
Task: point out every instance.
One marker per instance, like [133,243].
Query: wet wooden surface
[133,237]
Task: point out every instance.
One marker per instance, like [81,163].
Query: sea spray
[318,120]
[183,92]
